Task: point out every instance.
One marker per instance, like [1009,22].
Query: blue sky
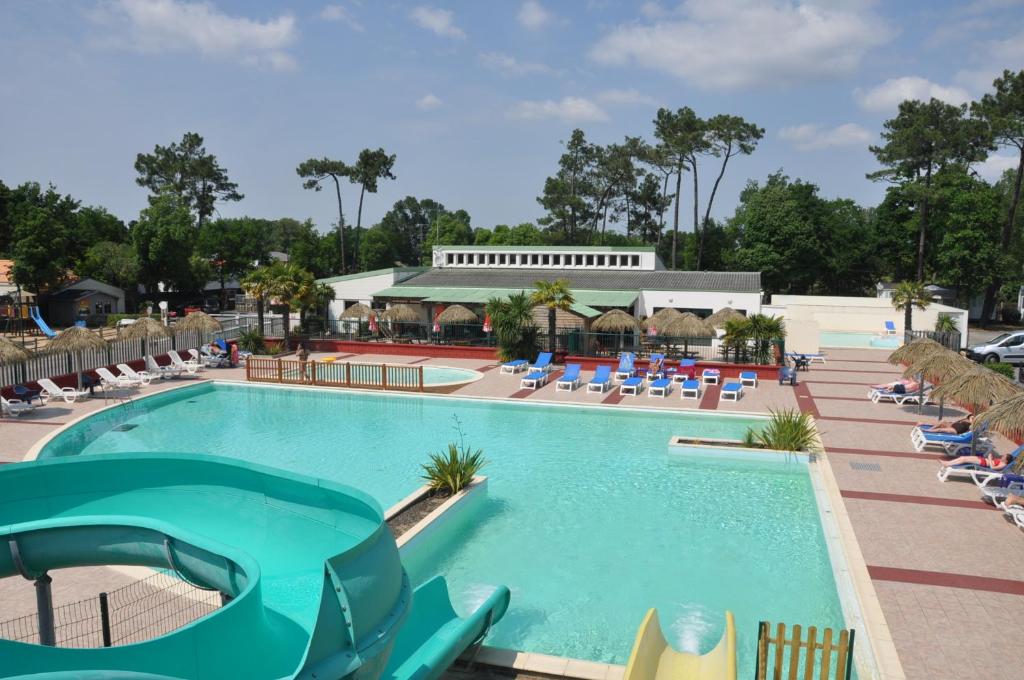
[474,97]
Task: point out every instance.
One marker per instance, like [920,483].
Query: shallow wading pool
[590,518]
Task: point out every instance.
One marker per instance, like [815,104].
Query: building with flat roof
[600,277]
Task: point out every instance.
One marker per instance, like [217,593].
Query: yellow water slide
[653,659]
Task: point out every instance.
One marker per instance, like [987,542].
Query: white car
[121,323]
[1008,348]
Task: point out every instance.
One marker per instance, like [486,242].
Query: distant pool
[855,339]
[590,517]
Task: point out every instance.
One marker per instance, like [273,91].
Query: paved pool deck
[945,566]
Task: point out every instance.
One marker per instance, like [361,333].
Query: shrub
[788,430]
[1003,369]
[946,324]
[453,470]
[514,329]
[252,341]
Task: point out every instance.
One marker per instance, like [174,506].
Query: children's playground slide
[653,659]
[310,571]
[43,326]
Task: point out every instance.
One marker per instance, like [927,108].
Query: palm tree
[512,319]
[286,283]
[906,296]
[257,284]
[737,335]
[312,296]
[763,330]
[554,295]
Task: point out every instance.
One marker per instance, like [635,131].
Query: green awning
[585,299]
[585,311]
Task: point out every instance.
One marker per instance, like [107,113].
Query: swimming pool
[858,339]
[590,518]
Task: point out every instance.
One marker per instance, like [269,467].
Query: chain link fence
[138,611]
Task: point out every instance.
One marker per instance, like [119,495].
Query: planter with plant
[252,341]
[452,470]
[787,430]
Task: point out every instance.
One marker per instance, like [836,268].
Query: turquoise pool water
[436,375]
[854,339]
[590,517]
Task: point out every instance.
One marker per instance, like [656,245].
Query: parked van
[1008,348]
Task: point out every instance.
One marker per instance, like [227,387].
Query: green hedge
[1005,369]
[112,319]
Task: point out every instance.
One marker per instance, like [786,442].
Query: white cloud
[653,10]
[510,66]
[813,136]
[568,109]
[171,25]
[428,102]
[533,16]
[738,43]
[439,21]
[628,97]
[995,165]
[342,14]
[992,58]
[887,96]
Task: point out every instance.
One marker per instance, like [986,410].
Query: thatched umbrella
[977,388]
[615,321]
[688,326]
[198,321]
[660,319]
[145,327]
[12,352]
[1006,417]
[457,314]
[356,311]
[718,319]
[915,350]
[401,314]
[74,341]
[939,367]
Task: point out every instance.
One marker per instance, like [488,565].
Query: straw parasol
[977,388]
[689,325]
[615,321]
[718,319]
[661,318]
[401,314]
[74,341]
[939,367]
[1006,417]
[144,328]
[356,311]
[457,314]
[12,352]
[912,351]
[198,321]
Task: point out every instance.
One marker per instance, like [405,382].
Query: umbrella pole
[920,393]
[942,402]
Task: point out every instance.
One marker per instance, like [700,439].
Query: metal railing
[138,611]
[335,374]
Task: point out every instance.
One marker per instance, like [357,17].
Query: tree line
[938,221]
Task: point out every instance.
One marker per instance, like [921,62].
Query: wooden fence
[335,374]
[780,658]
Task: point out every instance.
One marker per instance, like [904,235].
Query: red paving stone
[804,399]
[853,370]
[938,578]
[918,500]
[614,397]
[709,402]
[523,393]
[860,399]
[488,367]
[420,361]
[889,454]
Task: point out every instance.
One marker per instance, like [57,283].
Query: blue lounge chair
[514,366]
[26,395]
[711,376]
[748,378]
[659,388]
[731,391]
[687,363]
[632,386]
[533,380]
[890,328]
[625,369]
[787,374]
[570,380]
[813,357]
[922,439]
[543,362]
[602,379]
[981,475]
[690,389]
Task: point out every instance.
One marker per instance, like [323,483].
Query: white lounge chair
[690,389]
[142,377]
[601,380]
[711,376]
[659,388]
[633,386]
[169,371]
[534,380]
[748,378]
[570,380]
[731,391]
[69,394]
[190,367]
[108,379]
[15,407]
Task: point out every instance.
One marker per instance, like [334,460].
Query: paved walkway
[945,566]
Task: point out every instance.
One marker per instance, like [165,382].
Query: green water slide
[313,579]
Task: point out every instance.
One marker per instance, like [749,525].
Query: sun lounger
[690,389]
[921,438]
[687,363]
[625,369]
[731,391]
[534,380]
[169,371]
[646,372]
[901,398]
[109,380]
[601,381]
[23,393]
[68,394]
[996,488]
[632,386]
[543,362]
[812,358]
[659,388]
[570,380]
[890,328]
[190,367]
[143,377]
[981,475]
[514,366]
[711,376]
[1016,513]
[748,378]
[15,407]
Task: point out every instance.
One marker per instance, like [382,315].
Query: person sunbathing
[989,461]
[1013,499]
[905,385]
[949,426]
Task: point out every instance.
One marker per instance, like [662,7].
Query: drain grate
[867,467]
[126,427]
